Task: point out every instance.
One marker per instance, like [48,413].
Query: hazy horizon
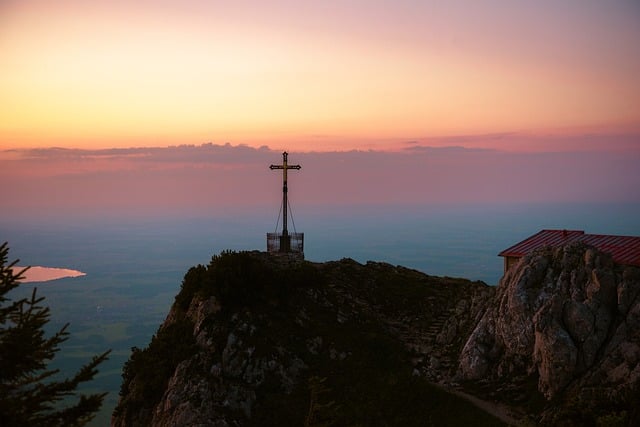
[212,180]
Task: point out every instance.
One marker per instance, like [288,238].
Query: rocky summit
[258,339]
[564,324]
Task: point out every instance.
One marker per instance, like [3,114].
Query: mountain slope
[259,340]
[254,339]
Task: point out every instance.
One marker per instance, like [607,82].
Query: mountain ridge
[256,339]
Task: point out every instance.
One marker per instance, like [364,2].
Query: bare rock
[569,317]
[628,290]
[555,356]
[579,320]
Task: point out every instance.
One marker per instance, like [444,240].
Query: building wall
[510,261]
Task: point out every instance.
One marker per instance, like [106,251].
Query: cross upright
[284,166]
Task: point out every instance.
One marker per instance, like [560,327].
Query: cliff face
[254,339]
[565,323]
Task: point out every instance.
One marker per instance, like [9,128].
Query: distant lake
[38,273]
[134,266]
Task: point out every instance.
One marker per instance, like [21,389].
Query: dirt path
[503,412]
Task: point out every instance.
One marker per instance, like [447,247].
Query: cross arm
[297,167]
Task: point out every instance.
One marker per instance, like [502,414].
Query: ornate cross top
[285,206]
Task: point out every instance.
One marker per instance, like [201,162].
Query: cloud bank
[210,178]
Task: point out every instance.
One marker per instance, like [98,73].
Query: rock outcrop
[568,320]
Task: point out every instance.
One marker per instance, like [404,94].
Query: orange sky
[316,76]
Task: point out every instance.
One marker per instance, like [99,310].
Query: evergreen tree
[29,393]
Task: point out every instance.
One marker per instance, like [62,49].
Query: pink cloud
[205,179]
[567,140]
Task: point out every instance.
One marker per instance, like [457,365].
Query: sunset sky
[180,106]
[302,75]
[136,135]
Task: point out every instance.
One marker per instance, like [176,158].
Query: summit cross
[285,205]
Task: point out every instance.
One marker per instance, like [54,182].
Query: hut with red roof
[624,250]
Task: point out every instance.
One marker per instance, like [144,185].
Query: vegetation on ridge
[292,313]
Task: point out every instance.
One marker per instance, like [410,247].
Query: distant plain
[134,266]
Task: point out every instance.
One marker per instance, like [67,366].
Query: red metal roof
[624,250]
[541,239]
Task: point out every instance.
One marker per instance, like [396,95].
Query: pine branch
[28,393]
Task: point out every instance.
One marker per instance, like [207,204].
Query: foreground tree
[29,393]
